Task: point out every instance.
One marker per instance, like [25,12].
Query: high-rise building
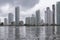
[10,18]
[17,15]
[53,11]
[48,16]
[28,20]
[33,20]
[58,19]
[5,21]
[38,17]
[58,12]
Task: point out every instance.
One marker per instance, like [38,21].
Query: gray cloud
[28,3]
[23,3]
[3,15]
[2,2]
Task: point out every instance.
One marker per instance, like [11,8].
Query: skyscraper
[58,12]
[17,15]
[38,17]
[28,20]
[5,21]
[58,19]
[10,18]
[48,16]
[33,20]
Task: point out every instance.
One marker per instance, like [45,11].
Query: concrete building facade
[38,17]
[48,16]
[5,21]
[17,15]
[10,18]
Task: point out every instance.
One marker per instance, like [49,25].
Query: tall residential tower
[38,17]
[48,16]
[10,18]
[5,21]
[17,15]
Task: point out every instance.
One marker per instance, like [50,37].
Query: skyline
[24,11]
[33,11]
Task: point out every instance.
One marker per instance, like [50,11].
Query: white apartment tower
[38,17]
[10,18]
[5,21]
[48,16]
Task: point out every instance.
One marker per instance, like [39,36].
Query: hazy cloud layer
[28,3]
[24,3]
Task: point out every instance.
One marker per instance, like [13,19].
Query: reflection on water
[26,33]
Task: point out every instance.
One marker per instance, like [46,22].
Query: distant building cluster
[53,17]
[34,19]
[10,19]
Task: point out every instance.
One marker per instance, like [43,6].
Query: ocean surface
[26,32]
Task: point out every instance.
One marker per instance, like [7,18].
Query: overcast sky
[27,7]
